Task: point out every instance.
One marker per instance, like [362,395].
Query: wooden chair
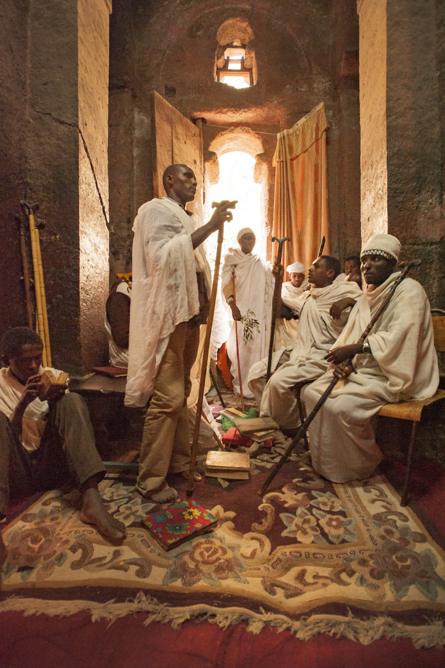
[413,411]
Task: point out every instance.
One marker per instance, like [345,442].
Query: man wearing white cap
[247,285]
[306,359]
[397,362]
[286,327]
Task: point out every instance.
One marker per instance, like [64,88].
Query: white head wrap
[295,268]
[243,231]
[382,244]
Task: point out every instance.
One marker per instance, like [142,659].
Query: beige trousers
[166,439]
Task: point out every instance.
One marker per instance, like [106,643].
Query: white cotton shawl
[291,296]
[164,289]
[404,361]
[254,290]
[317,329]
[34,417]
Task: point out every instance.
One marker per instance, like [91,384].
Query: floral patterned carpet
[311,557]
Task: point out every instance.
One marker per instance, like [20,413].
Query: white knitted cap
[382,244]
[295,268]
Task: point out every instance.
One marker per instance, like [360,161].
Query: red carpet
[42,642]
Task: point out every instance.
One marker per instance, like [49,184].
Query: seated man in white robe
[170,293]
[306,360]
[286,327]
[247,286]
[397,362]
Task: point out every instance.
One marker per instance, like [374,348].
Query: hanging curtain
[301,192]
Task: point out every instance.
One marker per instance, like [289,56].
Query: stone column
[67,169]
[402,64]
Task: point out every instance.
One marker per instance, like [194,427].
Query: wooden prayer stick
[237,346]
[276,300]
[304,425]
[26,277]
[321,248]
[39,284]
[205,355]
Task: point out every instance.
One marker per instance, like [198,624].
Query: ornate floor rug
[310,557]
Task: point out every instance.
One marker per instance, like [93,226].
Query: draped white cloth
[254,289]
[306,360]
[34,417]
[403,365]
[164,289]
[117,356]
[286,330]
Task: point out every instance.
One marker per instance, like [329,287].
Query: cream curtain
[301,191]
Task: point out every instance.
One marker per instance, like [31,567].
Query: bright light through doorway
[236,182]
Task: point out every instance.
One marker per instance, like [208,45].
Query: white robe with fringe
[254,289]
[286,330]
[164,289]
[403,366]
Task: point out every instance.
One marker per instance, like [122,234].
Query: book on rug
[232,413]
[178,522]
[226,464]
[111,371]
[250,425]
[227,474]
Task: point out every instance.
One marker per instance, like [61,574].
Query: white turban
[382,244]
[295,268]
[243,231]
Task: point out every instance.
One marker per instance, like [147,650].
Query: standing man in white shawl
[397,362]
[171,287]
[247,286]
[306,360]
[286,327]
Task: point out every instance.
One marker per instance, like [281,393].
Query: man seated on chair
[397,362]
[46,437]
[306,360]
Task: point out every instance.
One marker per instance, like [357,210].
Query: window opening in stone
[235,61]
[234,71]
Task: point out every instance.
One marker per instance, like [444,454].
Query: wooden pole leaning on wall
[39,283]
[25,273]
[205,355]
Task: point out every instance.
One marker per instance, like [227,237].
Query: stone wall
[45,43]
[13,37]
[373,143]
[402,64]
[93,58]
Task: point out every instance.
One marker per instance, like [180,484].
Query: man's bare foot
[197,477]
[166,494]
[93,511]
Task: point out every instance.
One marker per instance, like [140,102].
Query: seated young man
[46,437]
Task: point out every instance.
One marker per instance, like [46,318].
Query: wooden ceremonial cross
[205,355]
[39,283]
[276,300]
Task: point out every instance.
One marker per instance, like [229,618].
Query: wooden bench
[414,411]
